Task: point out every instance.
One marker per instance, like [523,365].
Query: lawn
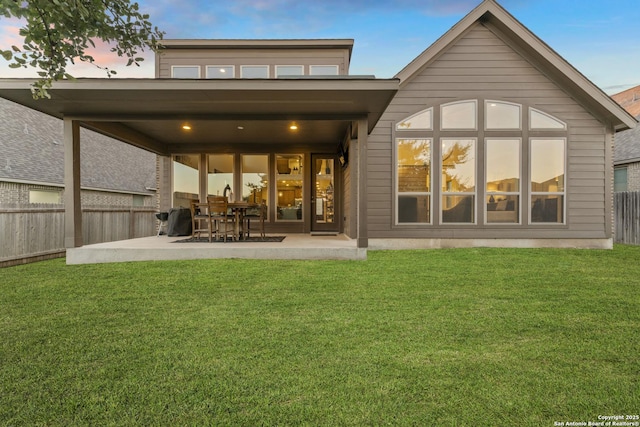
[465,337]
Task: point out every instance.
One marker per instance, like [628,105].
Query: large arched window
[437,152]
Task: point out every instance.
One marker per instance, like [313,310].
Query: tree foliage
[59,32]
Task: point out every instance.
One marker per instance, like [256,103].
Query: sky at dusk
[600,38]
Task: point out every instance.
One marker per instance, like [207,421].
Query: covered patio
[161,248]
[232,116]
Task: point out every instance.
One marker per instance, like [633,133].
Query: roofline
[626,161]
[289,83]
[489,9]
[259,44]
[150,192]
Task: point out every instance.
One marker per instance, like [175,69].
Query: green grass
[466,337]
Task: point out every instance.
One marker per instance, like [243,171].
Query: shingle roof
[627,143]
[627,146]
[31,149]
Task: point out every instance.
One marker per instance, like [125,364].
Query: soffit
[153,110]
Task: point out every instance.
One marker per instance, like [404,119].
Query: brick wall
[633,176]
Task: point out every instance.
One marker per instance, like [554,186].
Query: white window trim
[413,193]
[233,71]
[502,193]
[173,67]
[495,101]
[447,193]
[292,65]
[557,193]
[311,67]
[242,67]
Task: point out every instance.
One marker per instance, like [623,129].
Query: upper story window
[543,121]
[459,115]
[254,71]
[289,70]
[220,71]
[185,72]
[502,115]
[419,121]
[323,70]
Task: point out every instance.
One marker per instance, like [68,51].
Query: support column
[361,209]
[72,203]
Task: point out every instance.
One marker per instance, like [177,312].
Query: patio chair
[201,220]
[259,214]
[221,217]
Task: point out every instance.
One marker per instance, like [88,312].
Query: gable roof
[505,26]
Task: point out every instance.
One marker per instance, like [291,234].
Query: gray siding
[480,65]
[238,57]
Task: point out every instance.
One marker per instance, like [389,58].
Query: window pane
[220,176]
[255,178]
[220,72]
[289,187]
[547,209]
[459,115]
[501,115]
[187,72]
[323,70]
[414,165]
[254,72]
[503,165]
[547,165]
[457,209]
[421,121]
[289,70]
[458,165]
[185,179]
[45,196]
[414,209]
[503,209]
[620,179]
[540,120]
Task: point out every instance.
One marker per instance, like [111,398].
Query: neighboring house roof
[627,146]
[629,100]
[31,150]
[539,53]
[627,143]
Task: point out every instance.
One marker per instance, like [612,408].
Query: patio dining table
[239,209]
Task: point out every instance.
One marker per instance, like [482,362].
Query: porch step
[324,233]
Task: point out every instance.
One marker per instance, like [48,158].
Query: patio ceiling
[150,113]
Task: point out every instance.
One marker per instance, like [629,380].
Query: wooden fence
[33,234]
[626,206]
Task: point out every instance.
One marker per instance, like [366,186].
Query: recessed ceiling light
[186,127]
[240,127]
[293,126]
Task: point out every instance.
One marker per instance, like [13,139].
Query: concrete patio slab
[161,248]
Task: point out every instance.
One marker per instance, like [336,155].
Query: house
[113,174]
[488,137]
[626,157]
